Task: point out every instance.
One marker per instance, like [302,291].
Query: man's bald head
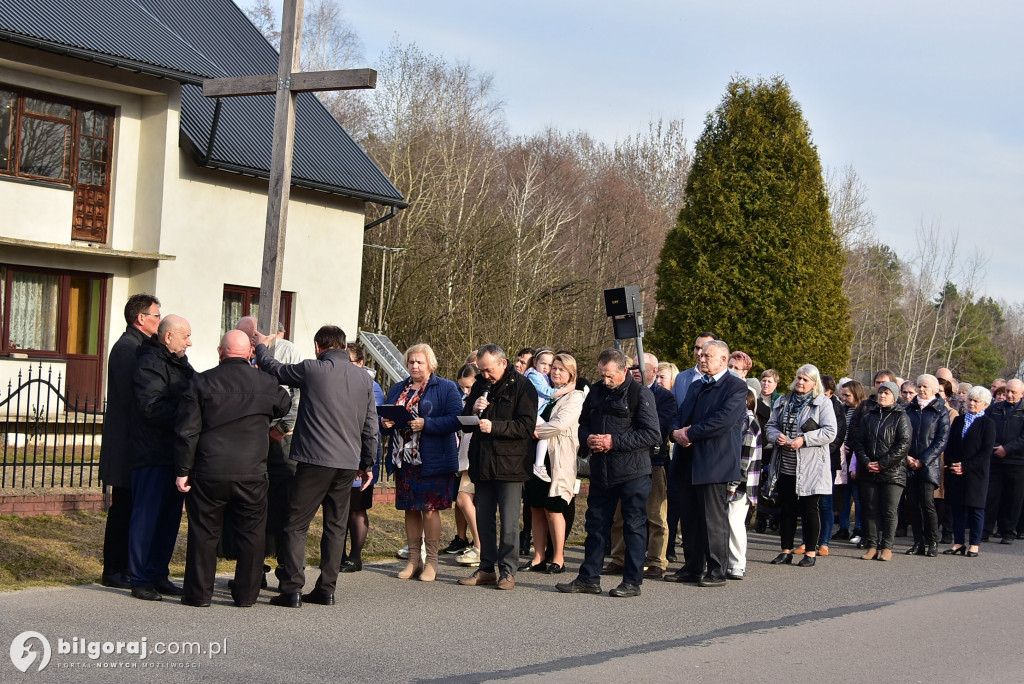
[175,333]
[944,374]
[247,324]
[234,345]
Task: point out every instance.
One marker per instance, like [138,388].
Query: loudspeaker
[625,328]
[623,301]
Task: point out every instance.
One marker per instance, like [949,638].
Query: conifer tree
[753,256]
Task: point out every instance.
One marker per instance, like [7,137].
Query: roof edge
[102,58]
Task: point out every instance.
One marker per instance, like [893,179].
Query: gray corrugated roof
[189,40]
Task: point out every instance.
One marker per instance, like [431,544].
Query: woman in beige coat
[549,501]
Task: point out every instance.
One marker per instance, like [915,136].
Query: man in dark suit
[1006,476]
[142,314]
[220,455]
[335,442]
[708,429]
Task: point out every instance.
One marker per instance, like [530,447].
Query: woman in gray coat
[802,425]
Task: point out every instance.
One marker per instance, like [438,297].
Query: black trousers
[314,486]
[704,519]
[921,504]
[789,506]
[281,470]
[115,536]
[1005,497]
[244,505]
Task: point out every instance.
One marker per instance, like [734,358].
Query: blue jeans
[850,493]
[601,505]
[827,520]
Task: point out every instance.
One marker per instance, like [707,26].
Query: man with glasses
[142,314]
[500,461]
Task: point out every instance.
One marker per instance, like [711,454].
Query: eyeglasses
[152,314]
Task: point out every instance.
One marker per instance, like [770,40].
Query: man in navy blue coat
[708,430]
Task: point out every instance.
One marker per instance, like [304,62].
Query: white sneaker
[403,553]
[855,539]
[541,472]
[470,558]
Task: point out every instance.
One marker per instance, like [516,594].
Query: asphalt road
[915,619]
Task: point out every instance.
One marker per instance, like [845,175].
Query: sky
[923,99]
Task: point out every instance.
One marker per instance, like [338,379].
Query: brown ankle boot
[430,569]
[885,555]
[415,565]
[870,555]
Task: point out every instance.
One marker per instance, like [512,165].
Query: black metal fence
[50,440]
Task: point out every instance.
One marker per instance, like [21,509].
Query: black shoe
[682,578]
[146,592]
[916,549]
[352,566]
[946,538]
[578,586]
[783,558]
[458,545]
[319,598]
[931,550]
[671,558]
[1007,540]
[554,569]
[241,604]
[1020,535]
[168,588]
[971,554]
[807,562]
[530,567]
[842,535]
[626,591]
[711,581]
[962,551]
[194,603]
[289,600]
[117,580]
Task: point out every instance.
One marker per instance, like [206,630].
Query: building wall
[211,222]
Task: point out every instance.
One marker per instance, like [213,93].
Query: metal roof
[188,41]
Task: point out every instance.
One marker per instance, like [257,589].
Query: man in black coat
[335,441]
[1006,477]
[708,429]
[500,461]
[220,455]
[657,501]
[619,423]
[142,314]
[162,375]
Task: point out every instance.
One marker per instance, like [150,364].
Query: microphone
[487,391]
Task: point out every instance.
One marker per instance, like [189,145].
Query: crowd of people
[256,446]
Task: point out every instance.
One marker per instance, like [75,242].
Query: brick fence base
[52,504]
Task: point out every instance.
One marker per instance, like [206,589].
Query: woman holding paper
[422,453]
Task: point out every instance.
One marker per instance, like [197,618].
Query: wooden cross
[286,84]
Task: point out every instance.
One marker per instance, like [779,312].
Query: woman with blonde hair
[548,502]
[666,376]
[423,455]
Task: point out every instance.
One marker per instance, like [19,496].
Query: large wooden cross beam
[286,84]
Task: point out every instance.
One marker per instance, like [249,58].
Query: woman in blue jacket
[423,455]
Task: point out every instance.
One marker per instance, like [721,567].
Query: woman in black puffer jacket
[929,419]
[880,440]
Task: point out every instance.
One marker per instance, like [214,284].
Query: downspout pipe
[386,217]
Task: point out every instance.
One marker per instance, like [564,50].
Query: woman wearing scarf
[968,455]
[881,439]
[423,455]
[801,427]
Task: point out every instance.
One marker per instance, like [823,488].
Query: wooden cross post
[286,84]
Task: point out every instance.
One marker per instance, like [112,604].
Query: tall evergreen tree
[753,256]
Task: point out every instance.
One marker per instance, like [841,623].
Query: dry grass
[49,550]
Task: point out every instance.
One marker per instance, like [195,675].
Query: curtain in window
[34,299]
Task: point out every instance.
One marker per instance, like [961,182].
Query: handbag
[769,494]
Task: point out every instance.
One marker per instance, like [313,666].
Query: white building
[117,176]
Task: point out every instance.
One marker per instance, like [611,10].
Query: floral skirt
[415,491]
